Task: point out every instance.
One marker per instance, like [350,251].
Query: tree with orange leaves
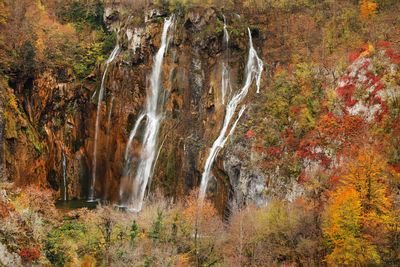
[201,228]
[358,216]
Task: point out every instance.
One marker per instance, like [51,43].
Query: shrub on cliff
[29,255]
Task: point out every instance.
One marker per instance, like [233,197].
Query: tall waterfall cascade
[112,56]
[254,68]
[109,122]
[64,165]
[225,80]
[153,114]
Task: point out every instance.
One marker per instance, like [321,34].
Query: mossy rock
[34,140]
[11,130]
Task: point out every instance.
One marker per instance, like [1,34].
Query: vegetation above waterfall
[310,176]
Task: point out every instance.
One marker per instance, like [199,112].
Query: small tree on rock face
[367,9]
[29,255]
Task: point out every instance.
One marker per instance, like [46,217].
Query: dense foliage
[40,35]
[328,119]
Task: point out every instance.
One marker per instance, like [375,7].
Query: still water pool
[75,204]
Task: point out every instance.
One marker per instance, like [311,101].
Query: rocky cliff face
[194,109]
[38,124]
[60,111]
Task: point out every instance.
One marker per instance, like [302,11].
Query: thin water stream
[254,68]
[112,56]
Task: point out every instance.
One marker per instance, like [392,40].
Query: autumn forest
[199,133]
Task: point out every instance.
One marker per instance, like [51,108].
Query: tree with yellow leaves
[358,216]
[344,231]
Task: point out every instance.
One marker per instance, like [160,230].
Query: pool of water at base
[76,204]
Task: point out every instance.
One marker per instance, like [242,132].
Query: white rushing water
[154,116]
[132,135]
[254,68]
[226,35]
[64,164]
[112,56]
[109,122]
[225,80]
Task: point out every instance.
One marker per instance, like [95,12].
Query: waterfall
[225,83]
[112,56]
[109,123]
[226,35]
[132,135]
[154,116]
[254,66]
[64,164]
